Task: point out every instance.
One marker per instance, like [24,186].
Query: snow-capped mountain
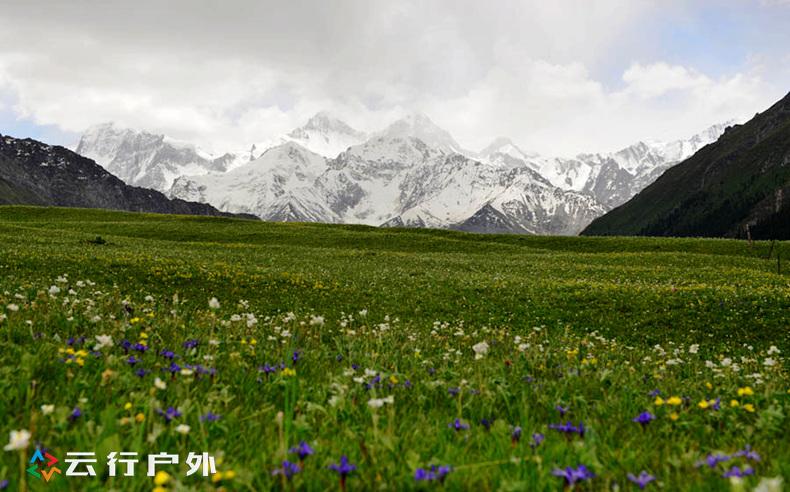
[146,159]
[410,174]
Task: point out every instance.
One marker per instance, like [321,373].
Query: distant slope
[34,173]
[742,179]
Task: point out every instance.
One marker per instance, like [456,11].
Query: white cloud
[225,78]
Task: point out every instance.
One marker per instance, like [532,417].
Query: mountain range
[412,173]
[737,187]
[34,173]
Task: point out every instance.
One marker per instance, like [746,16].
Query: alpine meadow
[311,357]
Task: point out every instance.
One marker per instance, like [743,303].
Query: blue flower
[737,472]
[210,417]
[572,475]
[642,479]
[712,460]
[458,426]
[303,450]
[515,436]
[75,414]
[190,344]
[569,428]
[747,453]
[644,418]
[435,473]
[344,468]
[562,410]
[287,469]
[537,438]
[169,414]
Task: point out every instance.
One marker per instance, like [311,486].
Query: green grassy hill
[408,305]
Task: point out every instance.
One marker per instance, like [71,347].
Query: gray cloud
[228,73]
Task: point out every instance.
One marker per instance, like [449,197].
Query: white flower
[54,290]
[481,349]
[235,318]
[726,362]
[47,409]
[18,440]
[159,384]
[380,402]
[183,429]
[694,348]
[363,313]
[523,347]
[213,303]
[103,341]
[149,298]
[12,307]
[370,372]
[770,485]
[769,362]
[317,321]
[773,350]
[186,371]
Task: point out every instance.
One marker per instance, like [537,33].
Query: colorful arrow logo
[50,461]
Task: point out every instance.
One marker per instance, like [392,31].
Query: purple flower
[737,472]
[140,373]
[267,369]
[712,460]
[453,391]
[433,474]
[748,453]
[562,410]
[407,384]
[167,354]
[287,469]
[537,438]
[75,414]
[303,450]
[654,393]
[3,484]
[642,479]
[644,418]
[210,417]
[515,436]
[132,360]
[344,468]
[571,475]
[140,347]
[486,423]
[190,344]
[569,428]
[169,414]
[458,426]
[173,368]
[296,356]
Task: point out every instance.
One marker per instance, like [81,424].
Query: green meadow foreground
[428,359]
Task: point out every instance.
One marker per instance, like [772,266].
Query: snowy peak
[326,135]
[419,126]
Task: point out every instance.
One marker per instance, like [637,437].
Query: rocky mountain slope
[34,173]
[742,179]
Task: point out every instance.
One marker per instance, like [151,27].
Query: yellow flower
[143,334]
[159,489]
[139,418]
[229,475]
[80,361]
[703,404]
[745,391]
[749,407]
[708,385]
[125,421]
[659,401]
[674,416]
[734,403]
[161,477]
[128,406]
[216,477]
[674,400]
[289,372]
[134,320]
[393,379]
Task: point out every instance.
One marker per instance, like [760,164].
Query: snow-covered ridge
[412,173]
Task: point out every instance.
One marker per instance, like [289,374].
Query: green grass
[591,309]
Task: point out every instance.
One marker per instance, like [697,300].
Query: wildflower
[139,418]
[17,440]
[537,438]
[642,479]
[458,426]
[644,418]
[287,469]
[287,372]
[75,414]
[571,475]
[159,384]
[739,473]
[190,344]
[380,402]
[213,303]
[694,348]
[47,409]
[183,429]
[769,362]
[659,401]
[103,341]
[712,460]
[161,477]
[209,417]
[486,423]
[303,450]
[569,428]
[745,391]
[674,401]
[749,407]
[674,416]
[12,308]
[562,410]
[4,484]
[132,360]
[734,403]
[54,290]
[169,414]
[343,469]
[773,350]
[167,354]
[515,436]
[480,349]
[747,453]
[435,473]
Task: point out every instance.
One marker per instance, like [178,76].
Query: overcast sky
[558,77]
